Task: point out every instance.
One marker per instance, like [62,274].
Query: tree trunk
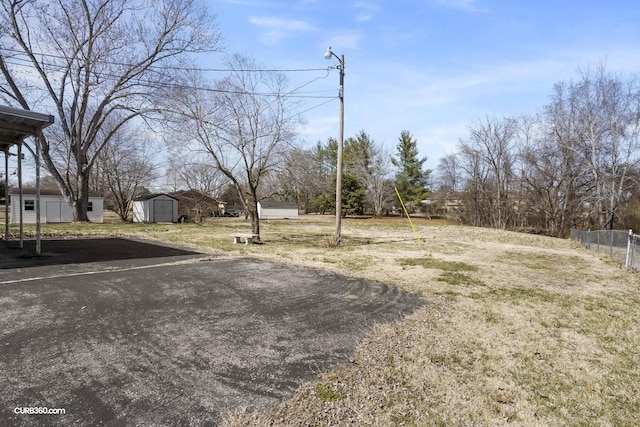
[81,203]
[255,220]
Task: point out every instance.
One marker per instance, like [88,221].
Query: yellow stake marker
[407,214]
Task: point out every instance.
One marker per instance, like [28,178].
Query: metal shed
[157,207]
[277,210]
[54,207]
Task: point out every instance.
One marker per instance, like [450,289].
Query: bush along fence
[621,245]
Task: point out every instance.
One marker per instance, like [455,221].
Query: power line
[149,83]
[309,109]
[23,61]
[173,67]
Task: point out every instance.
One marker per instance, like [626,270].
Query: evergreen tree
[411,179]
[323,175]
[357,152]
[353,194]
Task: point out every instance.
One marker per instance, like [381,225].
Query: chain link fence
[621,245]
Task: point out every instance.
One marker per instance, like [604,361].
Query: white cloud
[366,10]
[346,40]
[319,126]
[276,29]
[428,90]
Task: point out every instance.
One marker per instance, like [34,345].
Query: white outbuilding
[54,208]
[277,210]
[157,207]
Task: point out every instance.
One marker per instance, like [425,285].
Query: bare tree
[476,189]
[195,173]
[308,177]
[373,170]
[246,128]
[447,184]
[448,173]
[602,120]
[554,189]
[556,180]
[196,183]
[296,180]
[123,167]
[574,165]
[93,61]
[492,144]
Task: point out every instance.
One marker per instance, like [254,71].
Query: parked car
[231,213]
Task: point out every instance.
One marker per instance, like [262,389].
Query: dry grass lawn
[520,330]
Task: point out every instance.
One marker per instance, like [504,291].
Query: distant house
[158,207]
[195,205]
[277,210]
[54,208]
[443,203]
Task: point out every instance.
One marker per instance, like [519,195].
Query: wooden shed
[158,207]
[277,210]
[54,208]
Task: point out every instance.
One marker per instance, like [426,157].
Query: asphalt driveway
[174,340]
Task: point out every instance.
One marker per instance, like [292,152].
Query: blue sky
[432,67]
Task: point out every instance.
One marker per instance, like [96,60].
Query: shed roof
[193,195]
[152,196]
[27,191]
[270,204]
[17,124]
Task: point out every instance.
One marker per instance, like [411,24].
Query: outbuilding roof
[270,204]
[152,196]
[193,195]
[43,192]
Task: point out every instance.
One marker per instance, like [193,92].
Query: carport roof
[17,124]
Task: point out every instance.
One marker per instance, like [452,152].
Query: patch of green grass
[491,316]
[437,264]
[294,240]
[543,261]
[329,393]
[355,263]
[448,295]
[444,359]
[403,419]
[530,295]
[455,278]
[451,270]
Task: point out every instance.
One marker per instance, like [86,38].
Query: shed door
[53,213]
[58,211]
[66,215]
[163,210]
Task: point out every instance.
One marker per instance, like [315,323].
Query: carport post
[38,245]
[6,194]
[20,191]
